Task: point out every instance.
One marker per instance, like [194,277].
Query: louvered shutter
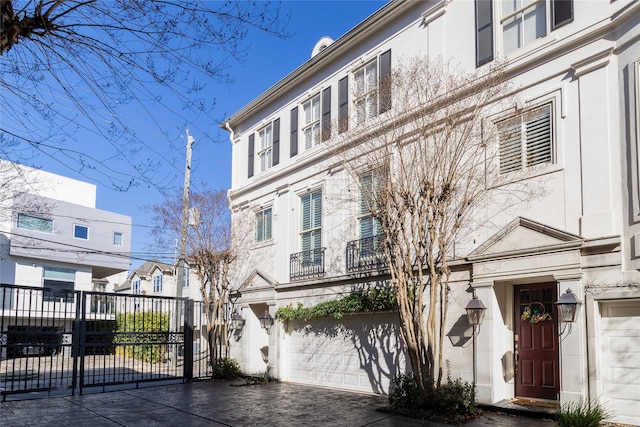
[267,224]
[325,128]
[259,227]
[538,137]
[385,81]
[343,104]
[251,155]
[293,141]
[510,146]
[484,31]
[276,142]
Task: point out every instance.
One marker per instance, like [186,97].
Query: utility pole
[183,238]
[185,214]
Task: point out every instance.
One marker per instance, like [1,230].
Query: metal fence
[51,342]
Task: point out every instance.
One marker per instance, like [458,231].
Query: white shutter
[510,146]
[267,224]
[538,137]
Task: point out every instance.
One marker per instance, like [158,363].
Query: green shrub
[226,369]
[375,299]
[142,335]
[404,392]
[581,414]
[453,402]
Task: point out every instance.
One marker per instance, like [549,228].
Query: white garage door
[620,363]
[359,353]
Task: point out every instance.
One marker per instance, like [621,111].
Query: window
[263,225]
[370,230]
[58,284]
[269,147]
[136,287]
[524,21]
[311,126]
[311,225]
[366,92]
[372,94]
[34,223]
[525,140]
[157,283]
[185,277]
[80,232]
[265,138]
[117,239]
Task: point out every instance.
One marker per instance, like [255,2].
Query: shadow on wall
[373,337]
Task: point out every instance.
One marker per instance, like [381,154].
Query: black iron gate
[66,342]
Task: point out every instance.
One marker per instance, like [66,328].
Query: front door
[536,342]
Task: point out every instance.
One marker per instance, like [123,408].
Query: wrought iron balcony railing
[366,254]
[307,264]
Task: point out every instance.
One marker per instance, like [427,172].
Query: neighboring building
[155,278]
[54,241]
[578,67]
[53,236]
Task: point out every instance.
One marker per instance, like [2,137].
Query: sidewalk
[222,404]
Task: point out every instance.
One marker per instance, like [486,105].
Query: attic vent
[321,45]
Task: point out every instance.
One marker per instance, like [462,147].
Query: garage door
[620,363]
[359,353]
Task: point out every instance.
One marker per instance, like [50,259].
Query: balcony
[306,264]
[366,254]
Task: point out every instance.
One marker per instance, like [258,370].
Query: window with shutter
[526,140]
[370,230]
[365,97]
[311,224]
[263,225]
[265,139]
[311,122]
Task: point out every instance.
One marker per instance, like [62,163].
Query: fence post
[77,339]
[188,339]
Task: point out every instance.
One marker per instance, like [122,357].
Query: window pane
[34,223]
[511,35]
[535,23]
[117,239]
[80,232]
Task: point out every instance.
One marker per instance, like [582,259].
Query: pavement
[226,404]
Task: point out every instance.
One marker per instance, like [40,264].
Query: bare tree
[422,168]
[210,251]
[71,68]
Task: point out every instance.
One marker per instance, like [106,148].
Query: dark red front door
[536,341]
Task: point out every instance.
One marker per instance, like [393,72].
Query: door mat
[539,403]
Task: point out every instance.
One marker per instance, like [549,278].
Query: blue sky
[268,60]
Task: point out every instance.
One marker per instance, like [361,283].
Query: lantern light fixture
[568,306]
[266,320]
[475,310]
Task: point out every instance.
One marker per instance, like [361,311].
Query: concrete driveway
[223,404]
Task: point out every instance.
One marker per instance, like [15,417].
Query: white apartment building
[576,65]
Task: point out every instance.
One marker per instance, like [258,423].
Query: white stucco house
[54,241]
[51,228]
[576,65]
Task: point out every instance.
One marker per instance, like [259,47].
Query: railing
[366,254]
[307,264]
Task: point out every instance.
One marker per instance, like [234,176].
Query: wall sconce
[234,296]
[266,320]
[475,310]
[568,306]
[237,321]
